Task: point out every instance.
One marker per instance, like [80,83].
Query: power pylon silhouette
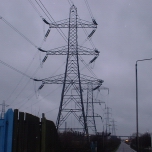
[72,101]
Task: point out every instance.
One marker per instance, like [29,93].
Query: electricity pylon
[108,125]
[3,109]
[90,102]
[113,129]
[72,102]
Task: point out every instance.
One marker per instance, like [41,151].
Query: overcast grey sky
[123,36]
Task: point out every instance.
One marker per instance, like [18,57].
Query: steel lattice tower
[72,72]
[90,109]
[113,130]
[71,97]
[3,109]
[108,119]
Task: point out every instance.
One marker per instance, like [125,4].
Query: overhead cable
[51,110]
[59,30]
[28,98]
[89,9]
[9,66]
[27,39]
[41,99]
[88,38]
[25,85]
[46,95]
[86,65]
[32,4]
[22,77]
[69,2]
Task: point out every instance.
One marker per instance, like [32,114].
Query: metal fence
[23,132]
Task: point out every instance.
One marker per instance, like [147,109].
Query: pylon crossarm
[59,49]
[65,24]
[64,51]
[87,79]
[86,51]
[85,24]
[60,24]
[59,79]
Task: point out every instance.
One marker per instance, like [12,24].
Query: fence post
[43,133]
[15,130]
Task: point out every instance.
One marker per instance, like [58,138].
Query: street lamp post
[137,137]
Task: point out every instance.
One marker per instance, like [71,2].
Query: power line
[32,4]
[51,110]
[34,93]
[2,62]
[86,33]
[20,73]
[89,9]
[20,92]
[9,66]
[22,77]
[59,30]
[52,75]
[27,39]
[28,98]
[38,12]
[40,99]
[70,3]
[52,18]
[25,85]
[86,65]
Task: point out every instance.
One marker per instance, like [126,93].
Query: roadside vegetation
[144,142]
[77,142]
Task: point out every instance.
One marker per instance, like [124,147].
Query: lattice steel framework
[3,110]
[90,109]
[71,79]
[72,72]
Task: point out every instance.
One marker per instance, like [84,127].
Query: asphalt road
[125,148]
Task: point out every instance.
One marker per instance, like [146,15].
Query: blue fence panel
[1,135]
[6,131]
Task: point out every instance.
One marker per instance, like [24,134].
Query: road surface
[124,148]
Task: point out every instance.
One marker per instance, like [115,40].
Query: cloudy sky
[124,35]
